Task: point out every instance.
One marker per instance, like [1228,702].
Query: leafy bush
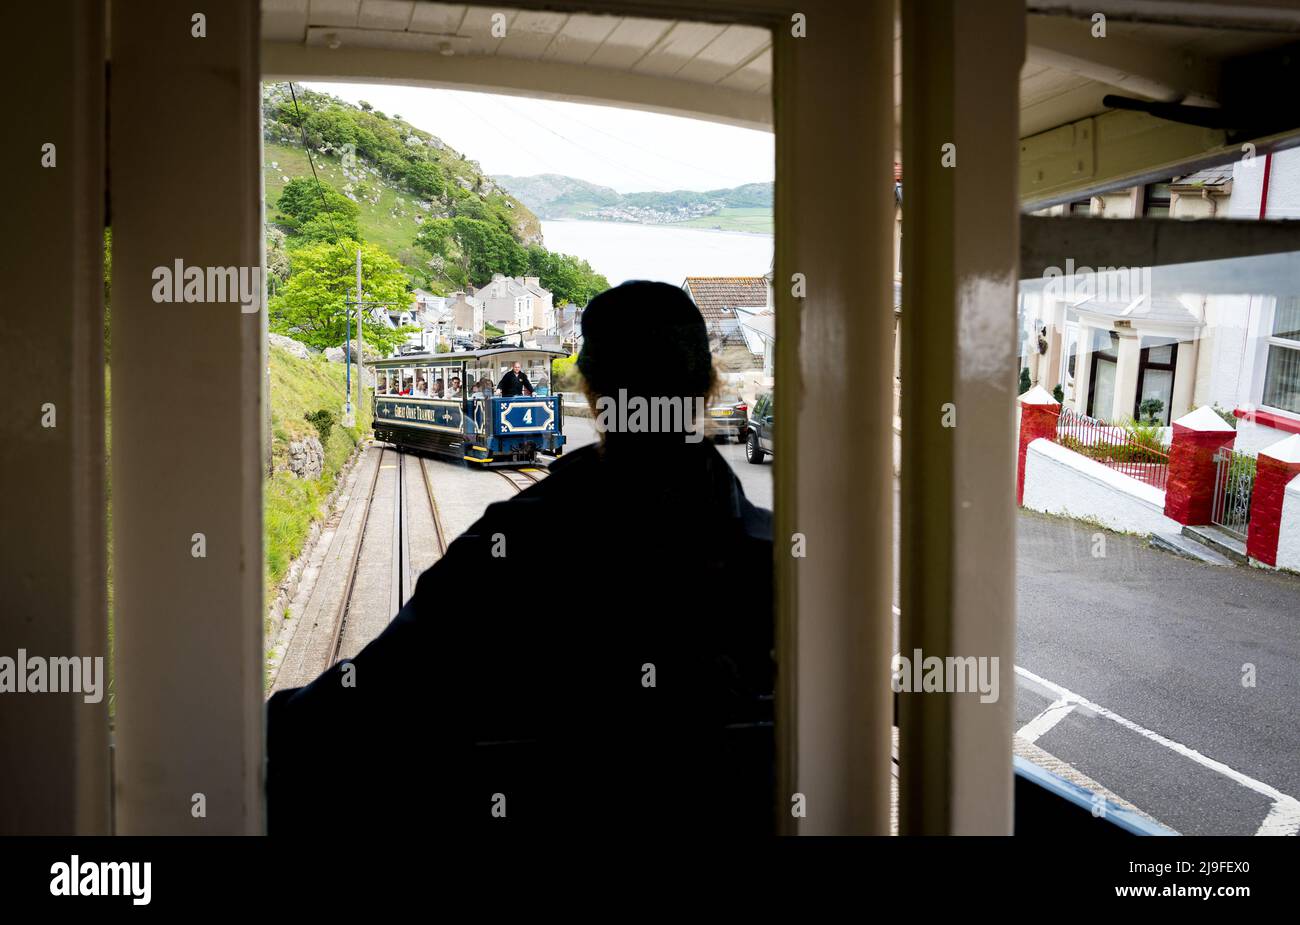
[1229,418]
[1024,381]
[324,422]
[1059,394]
[565,376]
[1140,444]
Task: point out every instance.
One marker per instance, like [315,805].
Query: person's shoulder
[757,521]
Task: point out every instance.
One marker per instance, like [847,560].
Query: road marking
[1283,819]
[1037,727]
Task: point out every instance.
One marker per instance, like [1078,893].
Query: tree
[570,278]
[310,306]
[477,248]
[424,179]
[302,200]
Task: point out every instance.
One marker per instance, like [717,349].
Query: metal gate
[1234,481]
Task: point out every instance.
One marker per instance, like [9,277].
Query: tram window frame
[451,371]
[483,370]
[441,372]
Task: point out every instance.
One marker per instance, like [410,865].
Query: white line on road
[1283,819]
[1037,727]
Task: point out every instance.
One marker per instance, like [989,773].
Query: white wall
[1283,187]
[1252,437]
[1288,537]
[1060,481]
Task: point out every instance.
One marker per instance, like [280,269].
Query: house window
[1156,199]
[1156,380]
[1101,379]
[1282,376]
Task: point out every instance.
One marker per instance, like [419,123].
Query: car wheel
[753,452]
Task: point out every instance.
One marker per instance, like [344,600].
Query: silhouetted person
[639,702]
[515,382]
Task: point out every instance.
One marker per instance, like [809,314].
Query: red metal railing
[1130,452]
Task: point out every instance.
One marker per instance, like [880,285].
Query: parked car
[727,417]
[758,432]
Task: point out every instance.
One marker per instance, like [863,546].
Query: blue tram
[448,404]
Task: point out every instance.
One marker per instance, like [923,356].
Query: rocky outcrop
[295,347]
[306,458]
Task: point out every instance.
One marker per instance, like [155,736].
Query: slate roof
[716,296]
[1213,178]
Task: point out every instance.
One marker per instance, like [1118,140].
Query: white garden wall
[1060,481]
[1288,535]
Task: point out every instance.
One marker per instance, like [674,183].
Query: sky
[626,149]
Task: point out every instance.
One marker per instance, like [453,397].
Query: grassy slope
[291,504]
[388,223]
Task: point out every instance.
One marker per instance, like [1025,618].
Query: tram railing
[1133,452]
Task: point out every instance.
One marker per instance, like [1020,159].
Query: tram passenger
[497,698]
[421,389]
[437,388]
[453,391]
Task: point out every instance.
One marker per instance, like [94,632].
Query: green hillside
[383,182]
[554,196]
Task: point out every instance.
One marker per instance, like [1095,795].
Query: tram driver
[642,703]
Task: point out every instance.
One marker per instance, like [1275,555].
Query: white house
[467,315]
[1113,340]
[517,303]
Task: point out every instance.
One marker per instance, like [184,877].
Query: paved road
[1164,642]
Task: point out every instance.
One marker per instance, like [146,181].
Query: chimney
[533,281]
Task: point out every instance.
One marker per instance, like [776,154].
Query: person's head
[455,381]
[516,367]
[646,340]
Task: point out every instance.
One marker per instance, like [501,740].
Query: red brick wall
[1271,478]
[1035,421]
[1189,493]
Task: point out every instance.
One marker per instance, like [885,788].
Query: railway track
[404,576]
[336,635]
[354,616]
[520,478]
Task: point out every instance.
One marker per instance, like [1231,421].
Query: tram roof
[417,359]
